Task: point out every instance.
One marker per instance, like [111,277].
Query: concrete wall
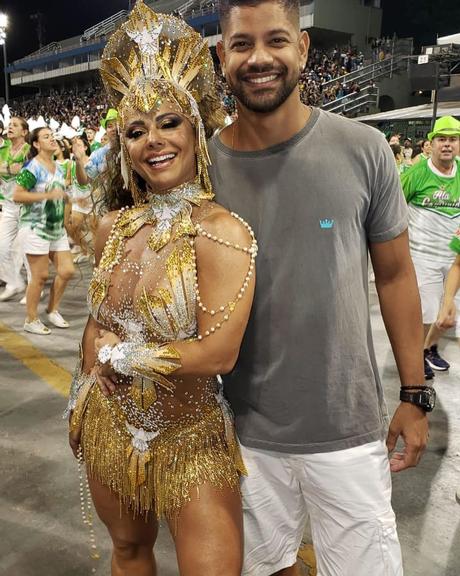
[397,92]
[34,79]
[351,17]
[396,88]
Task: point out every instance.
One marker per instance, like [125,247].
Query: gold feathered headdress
[154,58]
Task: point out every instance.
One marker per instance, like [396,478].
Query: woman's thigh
[38,265]
[209,533]
[124,530]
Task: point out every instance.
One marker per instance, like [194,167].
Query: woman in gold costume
[169,300]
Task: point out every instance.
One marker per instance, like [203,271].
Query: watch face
[430,399]
[425,399]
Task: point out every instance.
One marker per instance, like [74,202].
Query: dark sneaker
[434,359]
[429,374]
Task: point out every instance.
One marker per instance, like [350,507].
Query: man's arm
[448,312]
[399,298]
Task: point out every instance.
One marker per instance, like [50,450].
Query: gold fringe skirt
[161,479]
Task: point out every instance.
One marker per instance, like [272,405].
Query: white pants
[11,255]
[347,495]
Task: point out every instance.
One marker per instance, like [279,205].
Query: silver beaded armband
[122,356]
[141,360]
[79,379]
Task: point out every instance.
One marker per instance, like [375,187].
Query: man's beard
[265,101]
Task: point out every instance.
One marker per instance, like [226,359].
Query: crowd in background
[382,48]
[90,103]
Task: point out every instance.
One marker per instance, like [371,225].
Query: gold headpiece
[153,58]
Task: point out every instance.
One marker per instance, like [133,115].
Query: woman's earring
[139,195]
[125,168]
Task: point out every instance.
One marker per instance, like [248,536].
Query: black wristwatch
[424,398]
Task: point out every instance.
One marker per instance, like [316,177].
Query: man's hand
[411,423]
[447,315]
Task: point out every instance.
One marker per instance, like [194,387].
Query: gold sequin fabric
[155,439]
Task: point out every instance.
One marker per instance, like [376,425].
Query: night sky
[62,19]
[422,19]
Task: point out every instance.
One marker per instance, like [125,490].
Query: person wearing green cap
[432,190]
[89,169]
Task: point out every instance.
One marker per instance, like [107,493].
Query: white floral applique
[147,40]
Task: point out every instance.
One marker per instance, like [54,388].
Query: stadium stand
[340,76]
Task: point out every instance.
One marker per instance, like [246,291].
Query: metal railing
[106,26]
[354,102]
[89,37]
[186,6]
[195,8]
[51,47]
[371,72]
[166,6]
[58,48]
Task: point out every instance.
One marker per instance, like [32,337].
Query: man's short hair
[225,7]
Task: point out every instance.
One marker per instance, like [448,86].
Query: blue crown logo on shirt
[326,224]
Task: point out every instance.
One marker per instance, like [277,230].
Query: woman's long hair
[113,195]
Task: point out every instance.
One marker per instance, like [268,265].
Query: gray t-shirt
[306,379]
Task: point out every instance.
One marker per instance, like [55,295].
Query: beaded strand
[87,507]
[231,305]
[109,245]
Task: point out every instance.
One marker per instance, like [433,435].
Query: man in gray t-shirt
[319,191]
[306,379]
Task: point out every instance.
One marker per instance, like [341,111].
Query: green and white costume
[7,158]
[45,217]
[434,209]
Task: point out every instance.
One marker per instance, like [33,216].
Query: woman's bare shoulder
[221,224]
[106,222]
